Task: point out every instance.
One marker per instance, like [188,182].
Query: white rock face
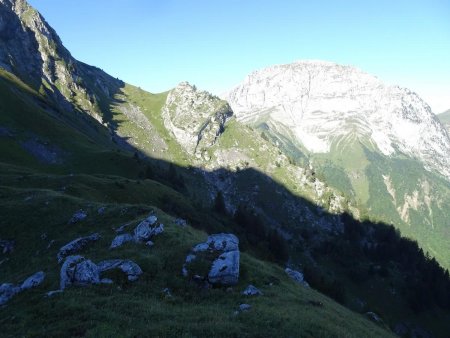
[324,103]
[195,118]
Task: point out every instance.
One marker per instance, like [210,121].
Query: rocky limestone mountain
[47,65]
[195,118]
[323,104]
[445,119]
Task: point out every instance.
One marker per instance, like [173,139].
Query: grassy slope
[38,198]
[141,309]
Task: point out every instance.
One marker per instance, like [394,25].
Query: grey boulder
[225,269]
[130,268]
[76,245]
[120,240]
[77,270]
[144,230]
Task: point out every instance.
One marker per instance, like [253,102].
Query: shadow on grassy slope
[358,264]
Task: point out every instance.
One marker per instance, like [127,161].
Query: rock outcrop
[80,271]
[221,253]
[297,276]
[195,118]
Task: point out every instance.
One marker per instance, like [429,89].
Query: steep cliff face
[325,104]
[195,118]
[47,65]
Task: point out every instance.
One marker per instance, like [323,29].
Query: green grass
[140,309]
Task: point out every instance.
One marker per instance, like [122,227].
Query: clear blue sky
[215,43]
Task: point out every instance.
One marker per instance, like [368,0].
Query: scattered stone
[77,270]
[106,281]
[297,276]
[50,244]
[374,317]
[7,246]
[78,217]
[52,293]
[120,240]
[122,228]
[244,307]
[166,292]
[44,236]
[225,269]
[131,269]
[76,245]
[149,244]
[8,291]
[33,281]
[101,210]
[181,222]
[252,291]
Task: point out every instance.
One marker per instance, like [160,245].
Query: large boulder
[147,229]
[221,252]
[225,269]
[78,270]
[130,268]
[76,245]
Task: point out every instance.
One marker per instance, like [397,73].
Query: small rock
[44,236]
[296,276]
[252,291]
[106,281]
[244,307]
[33,281]
[149,244]
[78,217]
[76,245]
[101,210]
[6,246]
[8,291]
[374,317]
[120,240]
[181,222]
[52,293]
[166,292]
[122,228]
[50,244]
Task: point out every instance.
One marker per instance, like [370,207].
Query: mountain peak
[322,103]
